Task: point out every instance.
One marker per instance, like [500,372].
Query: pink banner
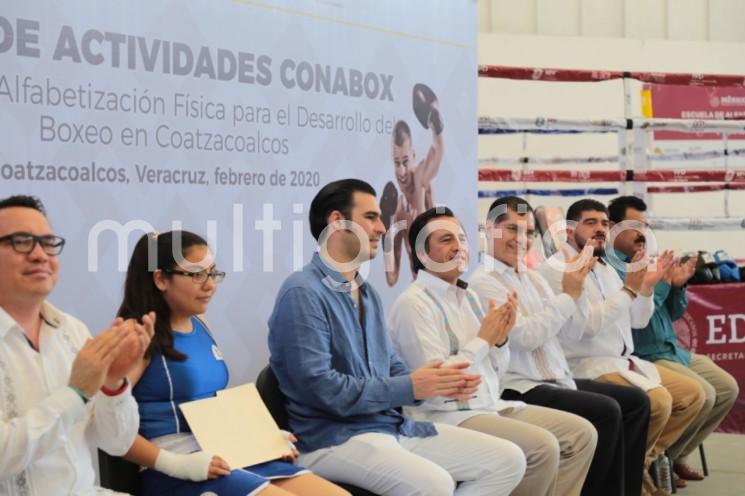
[696,103]
[714,325]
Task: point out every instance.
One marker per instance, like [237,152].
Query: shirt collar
[615,253]
[495,265]
[571,250]
[335,278]
[49,313]
[434,283]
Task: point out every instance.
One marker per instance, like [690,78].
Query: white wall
[585,100]
[691,20]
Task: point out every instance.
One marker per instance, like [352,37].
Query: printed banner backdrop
[714,325]
[225,118]
[696,103]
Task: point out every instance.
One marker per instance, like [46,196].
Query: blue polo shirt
[341,376]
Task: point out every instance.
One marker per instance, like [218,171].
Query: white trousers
[478,464]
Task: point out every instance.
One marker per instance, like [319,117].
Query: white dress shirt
[427,323]
[606,344]
[536,356]
[48,436]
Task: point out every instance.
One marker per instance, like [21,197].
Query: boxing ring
[715,322]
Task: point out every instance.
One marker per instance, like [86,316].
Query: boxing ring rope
[662,157]
[633,161]
[592,76]
[731,176]
[550,125]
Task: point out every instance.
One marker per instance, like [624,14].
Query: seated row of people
[523,382]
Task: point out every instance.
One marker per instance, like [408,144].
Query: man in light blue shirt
[344,382]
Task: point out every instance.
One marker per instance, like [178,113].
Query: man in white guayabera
[62,393]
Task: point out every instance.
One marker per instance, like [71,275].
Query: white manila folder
[236,426]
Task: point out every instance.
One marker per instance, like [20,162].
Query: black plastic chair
[118,474]
[704,465]
[268,387]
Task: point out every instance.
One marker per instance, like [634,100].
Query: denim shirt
[659,341]
[341,378]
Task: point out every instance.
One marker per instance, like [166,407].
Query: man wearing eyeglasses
[62,394]
[538,372]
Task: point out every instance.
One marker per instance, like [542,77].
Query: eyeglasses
[25,243]
[199,277]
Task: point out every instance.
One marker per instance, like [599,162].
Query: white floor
[725,454]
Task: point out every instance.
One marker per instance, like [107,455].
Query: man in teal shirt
[658,342]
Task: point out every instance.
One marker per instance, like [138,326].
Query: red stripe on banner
[584,75]
[695,188]
[575,176]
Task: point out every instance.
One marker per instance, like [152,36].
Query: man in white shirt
[438,319]
[62,394]
[604,350]
[538,372]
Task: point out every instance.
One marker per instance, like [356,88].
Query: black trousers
[620,414]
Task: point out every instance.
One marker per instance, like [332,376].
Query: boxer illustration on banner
[414,193]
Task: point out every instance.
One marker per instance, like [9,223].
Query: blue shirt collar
[612,252]
[337,280]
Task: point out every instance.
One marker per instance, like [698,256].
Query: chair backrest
[268,387]
[271,395]
[118,474]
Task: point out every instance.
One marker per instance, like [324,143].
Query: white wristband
[193,466]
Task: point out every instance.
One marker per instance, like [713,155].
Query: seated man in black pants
[538,372]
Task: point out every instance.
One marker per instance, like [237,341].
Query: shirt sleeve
[499,359]
[677,302]
[642,309]
[302,328]
[42,429]
[398,366]
[115,422]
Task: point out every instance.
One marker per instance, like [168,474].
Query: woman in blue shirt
[184,364]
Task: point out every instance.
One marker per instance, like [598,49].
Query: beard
[599,251]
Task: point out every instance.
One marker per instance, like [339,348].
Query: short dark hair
[416,227]
[24,201]
[586,204]
[499,207]
[336,195]
[618,206]
[401,133]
